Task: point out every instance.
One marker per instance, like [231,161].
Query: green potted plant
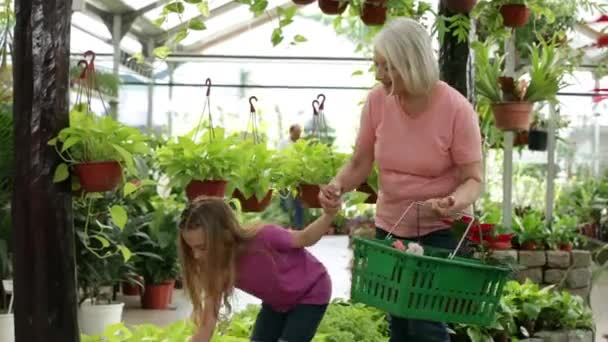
[97,148]
[306,165]
[160,271]
[538,136]
[253,180]
[203,166]
[513,98]
[530,230]
[373,12]
[564,234]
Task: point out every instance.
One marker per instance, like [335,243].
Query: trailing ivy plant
[213,156]
[307,161]
[254,175]
[97,138]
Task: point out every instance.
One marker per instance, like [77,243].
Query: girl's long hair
[213,276]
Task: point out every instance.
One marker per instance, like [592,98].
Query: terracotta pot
[365,188]
[566,247]
[515,15]
[537,140]
[501,245]
[529,246]
[333,7]
[157,296]
[460,6]
[129,289]
[309,194]
[521,139]
[252,204]
[512,116]
[99,176]
[215,188]
[373,12]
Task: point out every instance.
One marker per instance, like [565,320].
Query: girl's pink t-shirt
[417,156]
[282,275]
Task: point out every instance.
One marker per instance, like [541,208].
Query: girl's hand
[444,207]
[329,196]
[331,211]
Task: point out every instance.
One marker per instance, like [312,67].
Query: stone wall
[570,269]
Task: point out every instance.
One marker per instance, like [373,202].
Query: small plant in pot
[304,166]
[460,6]
[333,7]
[157,260]
[253,180]
[513,98]
[97,148]
[202,166]
[530,231]
[373,12]
[538,136]
[515,13]
[563,234]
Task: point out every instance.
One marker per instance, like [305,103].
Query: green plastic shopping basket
[436,286]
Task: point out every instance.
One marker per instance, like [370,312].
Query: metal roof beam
[149,7]
[236,29]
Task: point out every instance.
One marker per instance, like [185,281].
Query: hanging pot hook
[89,53]
[85,66]
[315,107]
[321,97]
[251,107]
[208,84]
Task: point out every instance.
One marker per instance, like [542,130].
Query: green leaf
[197,25]
[162,52]
[129,188]
[160,20]
[52,142]
[298,38]
[175,7]
[180,35]
[357,73]
[69,142]
[277,36]
[192,1]
[61,173]
[119,216]
[104,242]
[203,9]
[126,252]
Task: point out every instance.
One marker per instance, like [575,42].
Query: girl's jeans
[403,329]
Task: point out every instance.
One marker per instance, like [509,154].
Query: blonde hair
[407,48]
[214,276]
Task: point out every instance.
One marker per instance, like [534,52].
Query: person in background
[424,136]
[290,203]
[217,255]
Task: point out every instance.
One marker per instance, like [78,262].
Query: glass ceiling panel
[137,4]
[91,24]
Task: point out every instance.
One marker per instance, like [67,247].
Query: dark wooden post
[456,61]
[45,280]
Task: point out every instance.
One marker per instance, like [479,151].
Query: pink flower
[399,245]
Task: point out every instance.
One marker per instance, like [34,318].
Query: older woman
[425,137]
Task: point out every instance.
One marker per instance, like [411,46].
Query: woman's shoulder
[377,93]
[454,98]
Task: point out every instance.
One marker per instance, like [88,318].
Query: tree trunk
[45,280]
[456,61]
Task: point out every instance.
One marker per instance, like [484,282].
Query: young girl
[266,261]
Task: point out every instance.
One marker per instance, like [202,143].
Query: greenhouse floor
[333,252]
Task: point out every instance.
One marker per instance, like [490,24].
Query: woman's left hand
[444,207]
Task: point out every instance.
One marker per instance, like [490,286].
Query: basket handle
[420,204]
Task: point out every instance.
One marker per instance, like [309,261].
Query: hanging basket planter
[460,6]
[521,139]
[512,116]
[373,12]
[333,7]
[99,176]
[537,140]
[309,194]
[214,188]
[515,15]
[252,204]
[365,188]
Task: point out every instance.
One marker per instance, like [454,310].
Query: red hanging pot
[252,204]
[309,194]
[365,188]
[373,12]
[157,296]
[521,138]
[512,116]
[515,15]
[333,7]
[214,188]
[460,6]
[99,176]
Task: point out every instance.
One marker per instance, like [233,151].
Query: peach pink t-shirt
[417,156]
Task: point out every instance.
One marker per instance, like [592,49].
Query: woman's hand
[444,207]
[329,196]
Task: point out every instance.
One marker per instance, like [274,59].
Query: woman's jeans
[404,330]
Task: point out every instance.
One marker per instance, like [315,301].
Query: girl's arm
[314,231]
[210,313]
